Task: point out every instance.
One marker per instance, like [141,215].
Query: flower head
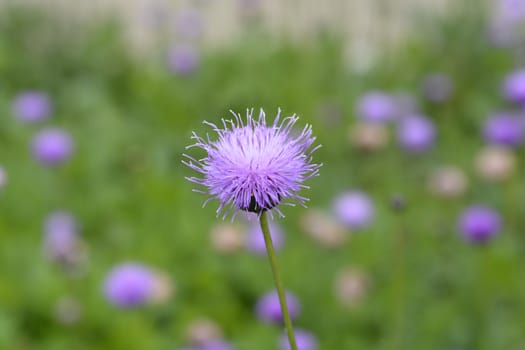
[479,223]
[376,106]
[32,106]
[129,285]
[416,133]
[52,146]
[253,166]
[183,59]
[354,209]
[504,129]
[514,86]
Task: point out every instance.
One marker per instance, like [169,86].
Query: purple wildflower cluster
[416,133]
[253,166]
[50,146]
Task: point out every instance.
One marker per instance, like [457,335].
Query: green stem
[277,278]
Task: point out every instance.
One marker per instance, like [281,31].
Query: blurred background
[413,237]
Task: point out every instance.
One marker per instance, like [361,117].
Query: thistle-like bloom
[253,166]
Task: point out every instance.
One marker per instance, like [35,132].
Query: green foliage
[131,119]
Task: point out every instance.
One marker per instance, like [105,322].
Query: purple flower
[3,177]
[354,209]
[479,223]
[32,106]
[60,235]
[217,345]
[188,23]
[254,240]
[268,308]
[376,106]
[253,166]
[52,146]
[506,24]
[437,87]
[416,133]
[183,59]
[504,129]
[514,86]
[510,11]
[129,285]
[304,339]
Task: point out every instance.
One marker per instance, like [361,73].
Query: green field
[130,118]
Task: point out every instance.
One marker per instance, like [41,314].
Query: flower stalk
[277,279]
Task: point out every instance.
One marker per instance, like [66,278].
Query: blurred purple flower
[60,235]
[129,285]
[504,130]
[32,106]
[479,223]
[514,86]
[507,22]
[354,209]
[3,177]
[189,23]
[217,345]
[416,133]
[376,106]
[510,10]
[437,87]
[183,59]
[305,341]
[254,240]
[268,308]
[406,103]
[52,146]
[249,8]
